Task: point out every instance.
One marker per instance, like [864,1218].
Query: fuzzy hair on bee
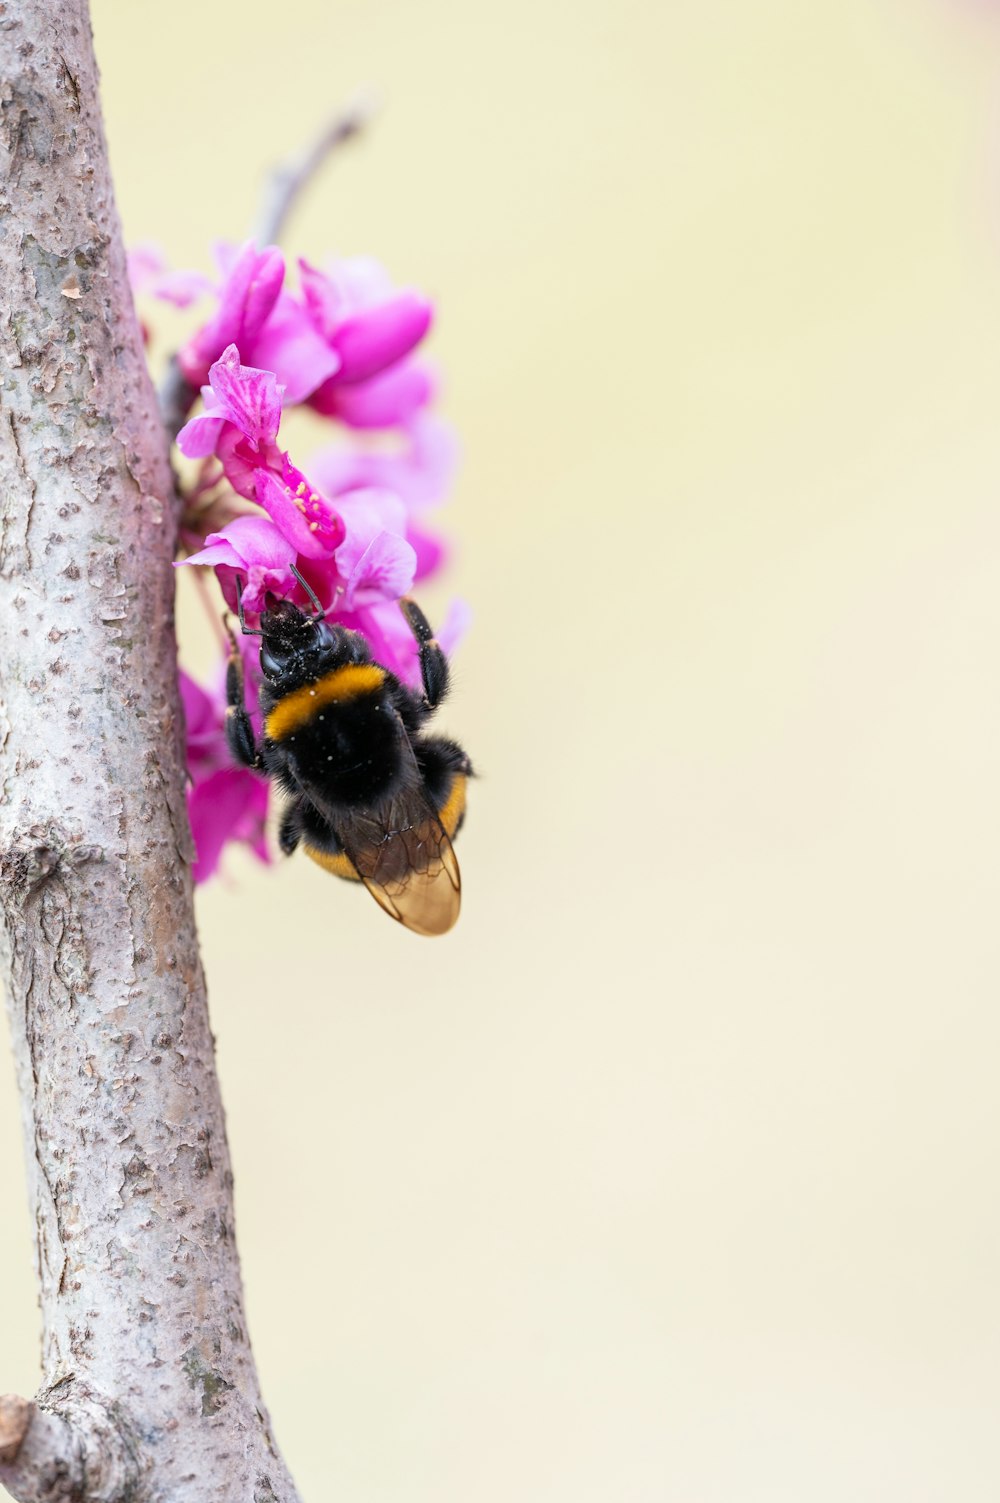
[370,796]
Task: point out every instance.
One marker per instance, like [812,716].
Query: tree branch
[150,1387]
[176,397]
[282,190]
[286,182]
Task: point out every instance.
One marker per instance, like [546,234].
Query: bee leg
[290,829]
[433,663]
[239,731]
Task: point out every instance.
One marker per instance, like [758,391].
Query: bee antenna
[320,612]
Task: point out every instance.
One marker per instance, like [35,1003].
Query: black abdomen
[339,734]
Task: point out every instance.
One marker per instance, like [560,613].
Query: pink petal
[182,288]
[249,397]
[359,282]
[245,544]
[258,541]
[258,295]
[420,474]
[375,338]
[304,517]
[365,512]
[374,560]
[202,722]
[456,623]
[256,582]
[383,572]
[290,345]
[385,401]
[325,304]
[229,804]
[218,550]
[200,437]
[247,296]
[430,551]
[142,263]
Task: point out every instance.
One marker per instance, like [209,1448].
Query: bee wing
[402,852]
[405,859]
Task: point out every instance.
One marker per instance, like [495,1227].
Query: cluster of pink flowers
[353,523]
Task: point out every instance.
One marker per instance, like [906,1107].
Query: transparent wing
[403,855]
[407,863]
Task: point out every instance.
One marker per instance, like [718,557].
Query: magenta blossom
[249,291]
[372,329]
[391,641]
[148,273]
[342,345]
[254,549]
[224,802]
[353,534]
[374,562]
[419,473]
[384,401]
[240,427]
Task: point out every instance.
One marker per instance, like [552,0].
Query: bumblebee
[371,798]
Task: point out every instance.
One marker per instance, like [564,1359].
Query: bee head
[291,640]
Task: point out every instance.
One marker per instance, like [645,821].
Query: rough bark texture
[150,1390]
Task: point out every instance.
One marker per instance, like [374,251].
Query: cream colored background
[671,1177]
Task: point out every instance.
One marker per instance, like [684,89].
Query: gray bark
[150,1390]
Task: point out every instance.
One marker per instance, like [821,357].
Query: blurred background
[671,1175]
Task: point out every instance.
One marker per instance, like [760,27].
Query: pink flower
[224,802]
[148,273]
[255,549]
[240,426]
[245,400]
[346,342]
[341,345]
[248,293]
[419,472]
[391,640]
[374,562]
[290,345]
[372,329]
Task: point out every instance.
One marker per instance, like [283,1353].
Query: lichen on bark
[150,1390]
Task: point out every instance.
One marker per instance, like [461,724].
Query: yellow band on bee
[298,708]
[339,863]
[453,808]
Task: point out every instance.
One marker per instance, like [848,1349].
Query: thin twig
[175,397]
[282,189]
[285,182]
[15,1418]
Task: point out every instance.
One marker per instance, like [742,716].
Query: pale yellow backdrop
[671,1176]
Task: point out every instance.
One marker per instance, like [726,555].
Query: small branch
[15,1417]
[286,182]
[175,397]
[78,1456]
[38,1456]
[282,189]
